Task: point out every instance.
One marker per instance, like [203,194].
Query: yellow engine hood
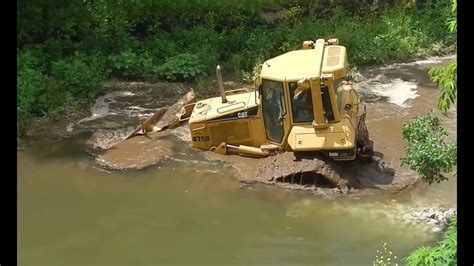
[337,136]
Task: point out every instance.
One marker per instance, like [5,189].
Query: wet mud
[145,145]
[136,153]
[311,171]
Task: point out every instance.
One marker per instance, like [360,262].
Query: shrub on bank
[443,253]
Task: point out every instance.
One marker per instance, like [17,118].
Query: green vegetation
[66,48]
[446,77]
[444,253]
[427,152]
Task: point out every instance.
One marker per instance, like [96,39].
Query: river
[190,211]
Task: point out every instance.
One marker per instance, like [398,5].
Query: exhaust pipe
[220,84]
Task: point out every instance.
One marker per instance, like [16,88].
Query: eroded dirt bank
[317,173]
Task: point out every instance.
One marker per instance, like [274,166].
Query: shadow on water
[46,149]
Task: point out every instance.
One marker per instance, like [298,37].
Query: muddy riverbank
[315,173]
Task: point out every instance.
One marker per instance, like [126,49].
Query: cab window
[301,105]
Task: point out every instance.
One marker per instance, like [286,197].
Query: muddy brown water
[188,210]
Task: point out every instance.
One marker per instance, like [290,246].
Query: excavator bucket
[167,117]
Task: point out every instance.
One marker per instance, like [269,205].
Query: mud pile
[141,146]
[313,171]
[137,153]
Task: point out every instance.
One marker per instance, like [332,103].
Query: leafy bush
[249,77]
[201,41]
[293,15]
[37,95]
[159,46]
[31,84]
[444,253]
[131,65]
[427,152]
[183,67]
[29,59]
[238,63]
[446,77]
[79,74]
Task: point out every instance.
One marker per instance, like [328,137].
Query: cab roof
[306,63]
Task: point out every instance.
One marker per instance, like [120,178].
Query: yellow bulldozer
[301,102]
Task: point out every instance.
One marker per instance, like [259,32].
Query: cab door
[274,109]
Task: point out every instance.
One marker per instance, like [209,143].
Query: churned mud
[137,152]
[103,139]
[140,147]
[315,172]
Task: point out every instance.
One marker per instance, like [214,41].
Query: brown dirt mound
[313,171]
[137,152]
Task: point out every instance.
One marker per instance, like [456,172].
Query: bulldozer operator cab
[295,90]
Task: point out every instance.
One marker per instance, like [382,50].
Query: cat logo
[242,114]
